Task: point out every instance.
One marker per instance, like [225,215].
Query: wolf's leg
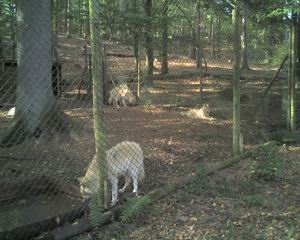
[114,190]
[127,183]
[134,177]
[123,101]
[117,101]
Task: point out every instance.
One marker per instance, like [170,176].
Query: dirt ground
[229,205]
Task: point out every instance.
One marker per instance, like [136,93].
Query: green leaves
[96,210]
[134,208]
[268,163]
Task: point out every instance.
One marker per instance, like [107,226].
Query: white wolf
[124,159]
[121,93]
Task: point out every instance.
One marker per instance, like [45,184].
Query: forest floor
[233,204]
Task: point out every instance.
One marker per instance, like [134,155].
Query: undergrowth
[134,208]
[268,163]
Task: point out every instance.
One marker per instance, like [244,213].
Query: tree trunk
[164,47]
[67,18]
[13,24]
[80,21]
[236,79]
[212,36]
[135,39]
[199,55]
[219,37]
[193,43]
[149,39]
[87,20]
[292,75]
[298,50]
[36,108]
[98,99]
[1,33]
[245,37]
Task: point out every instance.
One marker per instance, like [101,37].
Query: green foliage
[201,171]
[279,52]
[134,208]
[268,163]
[96,208]
[285,136]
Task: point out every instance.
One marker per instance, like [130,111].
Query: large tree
[36,108]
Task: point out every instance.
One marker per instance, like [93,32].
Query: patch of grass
[256,200]
[177,100]
[247,186]
[226,189]
[268,163]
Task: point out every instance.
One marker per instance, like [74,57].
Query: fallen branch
[83,225]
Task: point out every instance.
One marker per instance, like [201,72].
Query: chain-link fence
[151,82]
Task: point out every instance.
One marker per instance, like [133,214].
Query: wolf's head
[130,97]
[87,187]
[205,108]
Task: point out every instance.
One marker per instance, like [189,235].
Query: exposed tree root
[54,121]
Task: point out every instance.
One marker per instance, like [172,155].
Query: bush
[268,163]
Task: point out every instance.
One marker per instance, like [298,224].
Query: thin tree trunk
[211,36]
[245,37]
[199,55]
[298,49]
[135,39]
[292,76]
[67,19]
[193,45]
[1,34]
[164,47]
[13,24]
[80,21]
[149,39]
[219,37]
[236,79]
[87,20]
[98,100]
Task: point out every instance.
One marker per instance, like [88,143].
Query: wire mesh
[160,74]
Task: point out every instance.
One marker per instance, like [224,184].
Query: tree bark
[236,79]
[292,75]
[245,37]
[199,54]
[80,21]
[193,44]
[36,107]
[67,18]
[149,38]
[164,47]
[135,38]
[218,40]
[1,33]
[98,99]
[87,20]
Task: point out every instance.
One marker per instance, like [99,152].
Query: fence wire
[161,74]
